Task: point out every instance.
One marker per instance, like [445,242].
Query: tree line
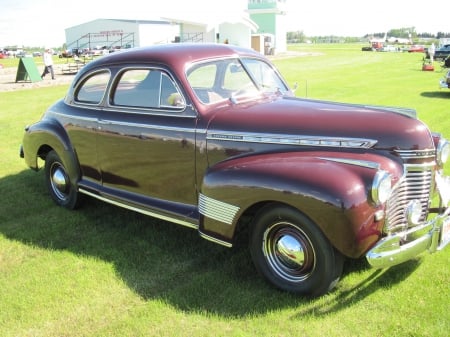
[407,32]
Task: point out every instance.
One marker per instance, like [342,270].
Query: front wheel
[291,252]
[62,190]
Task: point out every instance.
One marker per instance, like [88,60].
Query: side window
[236,78]
[170,97]
[146,88]
[266,78]
[202,80]
[93,89]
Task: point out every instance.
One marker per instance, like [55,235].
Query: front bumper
[432,236]
[443,84]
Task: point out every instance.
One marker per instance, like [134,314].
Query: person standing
[431,51]
[48,64]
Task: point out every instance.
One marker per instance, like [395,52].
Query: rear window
[93,89]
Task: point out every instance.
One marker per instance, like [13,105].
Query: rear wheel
[290,251]
[62,190]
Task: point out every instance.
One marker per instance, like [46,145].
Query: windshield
[234,78]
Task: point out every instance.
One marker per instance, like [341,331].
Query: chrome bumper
[432,236]
[443,84]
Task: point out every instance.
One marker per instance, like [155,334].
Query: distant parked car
[66,54]
[22,54]
[211,137]
[415,48]
[389,48]
[442,52]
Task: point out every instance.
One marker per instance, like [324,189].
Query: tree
[295,37]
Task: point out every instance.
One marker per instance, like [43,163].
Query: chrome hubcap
[289,252]
[59,181]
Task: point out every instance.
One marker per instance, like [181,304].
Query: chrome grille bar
[416,184]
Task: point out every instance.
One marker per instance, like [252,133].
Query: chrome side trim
[140,210]
[147,126]
[362,163]
[291,139]
[88,119]
[151,111]
[399,110]
[215,240]
[217,210]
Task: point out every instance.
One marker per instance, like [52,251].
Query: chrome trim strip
[416,154]
[140,210]
[362,163]
[148,126]
[420,167]
[291,139]
[89,119]
[215,240]
[399,110]
[217,210]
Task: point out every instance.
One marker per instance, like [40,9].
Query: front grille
[415,185]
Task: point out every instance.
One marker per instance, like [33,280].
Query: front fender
[332,191]
[43,136]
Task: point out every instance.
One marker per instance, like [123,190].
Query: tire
[291,252]
[62,190]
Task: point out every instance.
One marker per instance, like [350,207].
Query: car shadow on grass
[346,296]
[444,93]
[160,260]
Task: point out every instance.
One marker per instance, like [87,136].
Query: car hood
[301,121]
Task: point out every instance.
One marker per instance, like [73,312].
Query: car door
[146,141]
[80,119]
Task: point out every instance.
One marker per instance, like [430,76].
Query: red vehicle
[415,48]
[211,137]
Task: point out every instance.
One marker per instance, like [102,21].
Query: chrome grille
[416,184]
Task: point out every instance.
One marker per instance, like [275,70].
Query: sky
[43,23]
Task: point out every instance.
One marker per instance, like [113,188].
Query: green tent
[27,70]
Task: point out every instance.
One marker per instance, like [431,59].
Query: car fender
[330,188]
[44,136]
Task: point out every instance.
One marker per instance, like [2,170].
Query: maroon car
[211,137]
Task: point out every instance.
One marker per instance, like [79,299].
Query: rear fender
[47,135]
[331,190]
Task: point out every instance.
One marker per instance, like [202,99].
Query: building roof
[139,22]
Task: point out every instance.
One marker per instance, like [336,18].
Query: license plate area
[445,233]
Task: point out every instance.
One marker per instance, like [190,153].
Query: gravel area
[8,79]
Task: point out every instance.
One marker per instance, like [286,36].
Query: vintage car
[442,52]
[211,137]
[445,81]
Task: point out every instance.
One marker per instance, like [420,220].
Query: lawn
[104,271]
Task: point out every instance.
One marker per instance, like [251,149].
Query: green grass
[104,271]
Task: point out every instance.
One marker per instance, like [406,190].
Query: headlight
[443,151]
[381,187]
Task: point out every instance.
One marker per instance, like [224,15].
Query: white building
[234,29]
[110,33]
